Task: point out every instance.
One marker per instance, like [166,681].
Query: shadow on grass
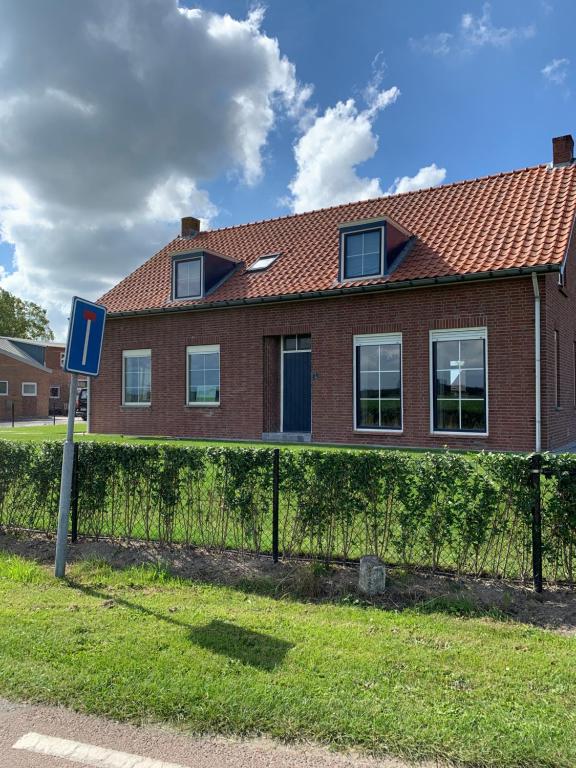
[253,648]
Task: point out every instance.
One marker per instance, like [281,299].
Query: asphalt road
[50,737]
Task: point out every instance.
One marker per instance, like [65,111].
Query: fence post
[12,412]
[536,469]
[74,533]
[275,503]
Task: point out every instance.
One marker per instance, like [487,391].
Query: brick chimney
[562,150]
[190,226]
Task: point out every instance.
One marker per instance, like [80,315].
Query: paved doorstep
[51,737]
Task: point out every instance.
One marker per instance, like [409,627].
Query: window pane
[390,414]
[187,278]
[204,394]
[390,384]
[353,266]
[472,383]
[196,362]
[212,377]
[212,361]
[447,415]
[368,358]
[372,242]
[289,343]
[371,265]
[3,387]
[446,354]
[472,352]
[368,416]
[196,377]
[447,384]
[368,385]
[353,245]
[390,357]
[304,342]
[473,416]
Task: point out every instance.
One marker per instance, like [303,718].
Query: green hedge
[468,514]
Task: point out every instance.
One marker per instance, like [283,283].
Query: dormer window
[371,248]
[196,274]
[188,278]
[362,251]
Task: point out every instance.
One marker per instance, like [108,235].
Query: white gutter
[537,371]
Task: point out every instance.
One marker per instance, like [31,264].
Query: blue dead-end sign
[85,337]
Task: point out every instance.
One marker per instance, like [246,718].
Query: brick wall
[15,372]
[559,314]
[505,307]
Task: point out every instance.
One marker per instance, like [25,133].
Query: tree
[23,319]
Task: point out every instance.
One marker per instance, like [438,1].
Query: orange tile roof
[520,219]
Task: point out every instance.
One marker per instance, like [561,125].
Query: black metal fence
[497,515]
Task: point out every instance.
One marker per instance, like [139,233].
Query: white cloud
[113,118]
[478,31]
[437,45]
[556,71]
[474,32]
[329,151]
[334,144]
[429,176]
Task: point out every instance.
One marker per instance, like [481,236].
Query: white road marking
[88,754]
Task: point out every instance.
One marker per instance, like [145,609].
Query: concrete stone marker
[372,575]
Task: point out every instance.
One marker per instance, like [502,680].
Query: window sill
[460,434]
[136,406]
[202,405]
[379,431]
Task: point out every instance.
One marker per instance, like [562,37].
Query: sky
[117,118]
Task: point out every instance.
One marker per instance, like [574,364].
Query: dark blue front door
[297,383]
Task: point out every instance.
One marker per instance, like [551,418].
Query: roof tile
[517,219]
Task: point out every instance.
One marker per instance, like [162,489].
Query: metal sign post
[66,483]
[83,351]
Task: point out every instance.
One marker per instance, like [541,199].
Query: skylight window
[263,263]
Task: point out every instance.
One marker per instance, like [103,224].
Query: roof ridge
[462,182]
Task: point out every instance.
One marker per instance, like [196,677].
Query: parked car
[82,403]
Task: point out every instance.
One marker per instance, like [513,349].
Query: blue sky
[472,111]
[472,88]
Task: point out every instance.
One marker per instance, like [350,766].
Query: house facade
[32,382]
[443,317]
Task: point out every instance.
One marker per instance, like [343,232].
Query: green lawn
[58,432]
[140,645]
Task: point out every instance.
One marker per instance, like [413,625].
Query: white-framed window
[29,389]
[203,375]
[136,377]
[362,252]
[187,278]
[3,388]
[54,393]
[459,381]
[378,382]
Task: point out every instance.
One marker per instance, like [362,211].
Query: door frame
[288,352]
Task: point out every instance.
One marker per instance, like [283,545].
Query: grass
[141,645]
[58,432]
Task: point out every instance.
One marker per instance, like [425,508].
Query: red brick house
[31,379]
[440,317]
